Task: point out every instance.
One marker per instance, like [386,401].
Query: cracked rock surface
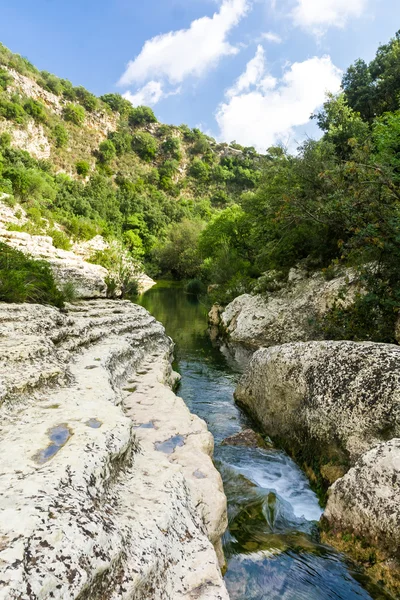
[98,461]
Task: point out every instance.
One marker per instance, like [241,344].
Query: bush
[117,103]
[199,170]
[172,148]
[88,100]
[12,111]
[74,114]
[107,151]
[60,135]
[5,79]
[195,287]
[23,279]
[141,115]
[82,168]
[122,142]
[36,110]
[144,145]
[60,239]
[51,83]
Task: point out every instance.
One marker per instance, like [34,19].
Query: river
[272,545]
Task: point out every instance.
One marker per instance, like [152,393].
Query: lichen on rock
[105,515]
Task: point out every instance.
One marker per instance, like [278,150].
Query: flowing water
[272,546]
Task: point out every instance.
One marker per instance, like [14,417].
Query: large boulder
[337,398]
[366,501]
[287,314]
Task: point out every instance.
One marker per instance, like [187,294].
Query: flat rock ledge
[108,487]
[336,406]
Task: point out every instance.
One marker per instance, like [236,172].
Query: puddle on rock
[94,423]
[59,436]
[199,475]
[149,425]
[169,446]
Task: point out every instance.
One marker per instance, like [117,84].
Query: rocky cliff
[108,487]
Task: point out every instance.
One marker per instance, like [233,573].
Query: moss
[379,566]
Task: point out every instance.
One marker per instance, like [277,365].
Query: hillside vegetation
[198,210]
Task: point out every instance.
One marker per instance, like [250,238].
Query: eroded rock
[339,397]
[287,314]
[105,515]
[247,437]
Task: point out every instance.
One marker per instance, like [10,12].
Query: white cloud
[150,94]
[318,15]
[188,52]
[270,36]
[262,111]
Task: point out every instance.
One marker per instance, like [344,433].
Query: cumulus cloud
[150,94]
[270,36]
[177,55]
[261,111]
[318,15]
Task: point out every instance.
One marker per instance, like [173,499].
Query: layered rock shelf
[108,486]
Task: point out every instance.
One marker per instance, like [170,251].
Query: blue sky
[250,70]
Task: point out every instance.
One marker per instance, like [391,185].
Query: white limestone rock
[344,396]
[91,507]
[287,314]
[366,501]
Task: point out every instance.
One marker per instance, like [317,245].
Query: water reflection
[272,544]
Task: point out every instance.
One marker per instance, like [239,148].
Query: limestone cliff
[108,487]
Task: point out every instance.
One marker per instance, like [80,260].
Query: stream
[272,545]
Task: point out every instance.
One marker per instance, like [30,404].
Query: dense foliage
[217,213]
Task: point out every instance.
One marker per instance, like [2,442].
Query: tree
[172,148]
[178,255]
[88,100]
[141,115]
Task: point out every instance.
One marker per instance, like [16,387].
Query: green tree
[107,151]
[36,110]
[60,135]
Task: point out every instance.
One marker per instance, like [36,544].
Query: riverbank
[108,484]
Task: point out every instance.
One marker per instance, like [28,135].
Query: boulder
[366,501]
[288,313]
[247,438]
[336,398]
[99,461]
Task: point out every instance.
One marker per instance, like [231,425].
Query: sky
[252,71]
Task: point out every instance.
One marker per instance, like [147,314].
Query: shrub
[144,145]
[51,83]
[141,115]
[12,111]
[172,148]
[74,114]
[36,110]
[82,168]
[60,135]
[5,79]
[122,141]
[23,279]
[88,100]
[117,103]
[199,170]
[106,151]
[195,287]
[60,239]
